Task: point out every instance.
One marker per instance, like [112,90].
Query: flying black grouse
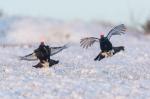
[105,45]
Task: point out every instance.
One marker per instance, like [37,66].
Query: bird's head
[42,39]
[42,43]
[101,34]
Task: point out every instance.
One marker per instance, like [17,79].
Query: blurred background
[32,21]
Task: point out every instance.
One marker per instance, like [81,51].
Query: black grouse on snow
[43,53]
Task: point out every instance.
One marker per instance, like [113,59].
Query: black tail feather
[53,62]
[49,63]
[118,49]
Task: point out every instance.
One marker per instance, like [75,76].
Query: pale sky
[117,11]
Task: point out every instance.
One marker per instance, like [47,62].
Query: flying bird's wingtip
[20,58]
[66,45]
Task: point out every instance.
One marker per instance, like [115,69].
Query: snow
[123,76]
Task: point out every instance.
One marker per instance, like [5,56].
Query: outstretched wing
[30,57]
[118,30]
[55,50]
[34,56]
[88,41]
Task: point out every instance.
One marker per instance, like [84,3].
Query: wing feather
[55,50]
[30,57]
[118,30]
[88,41]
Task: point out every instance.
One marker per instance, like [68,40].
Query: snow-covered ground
[123,76]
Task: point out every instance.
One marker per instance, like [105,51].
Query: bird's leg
[99,57]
